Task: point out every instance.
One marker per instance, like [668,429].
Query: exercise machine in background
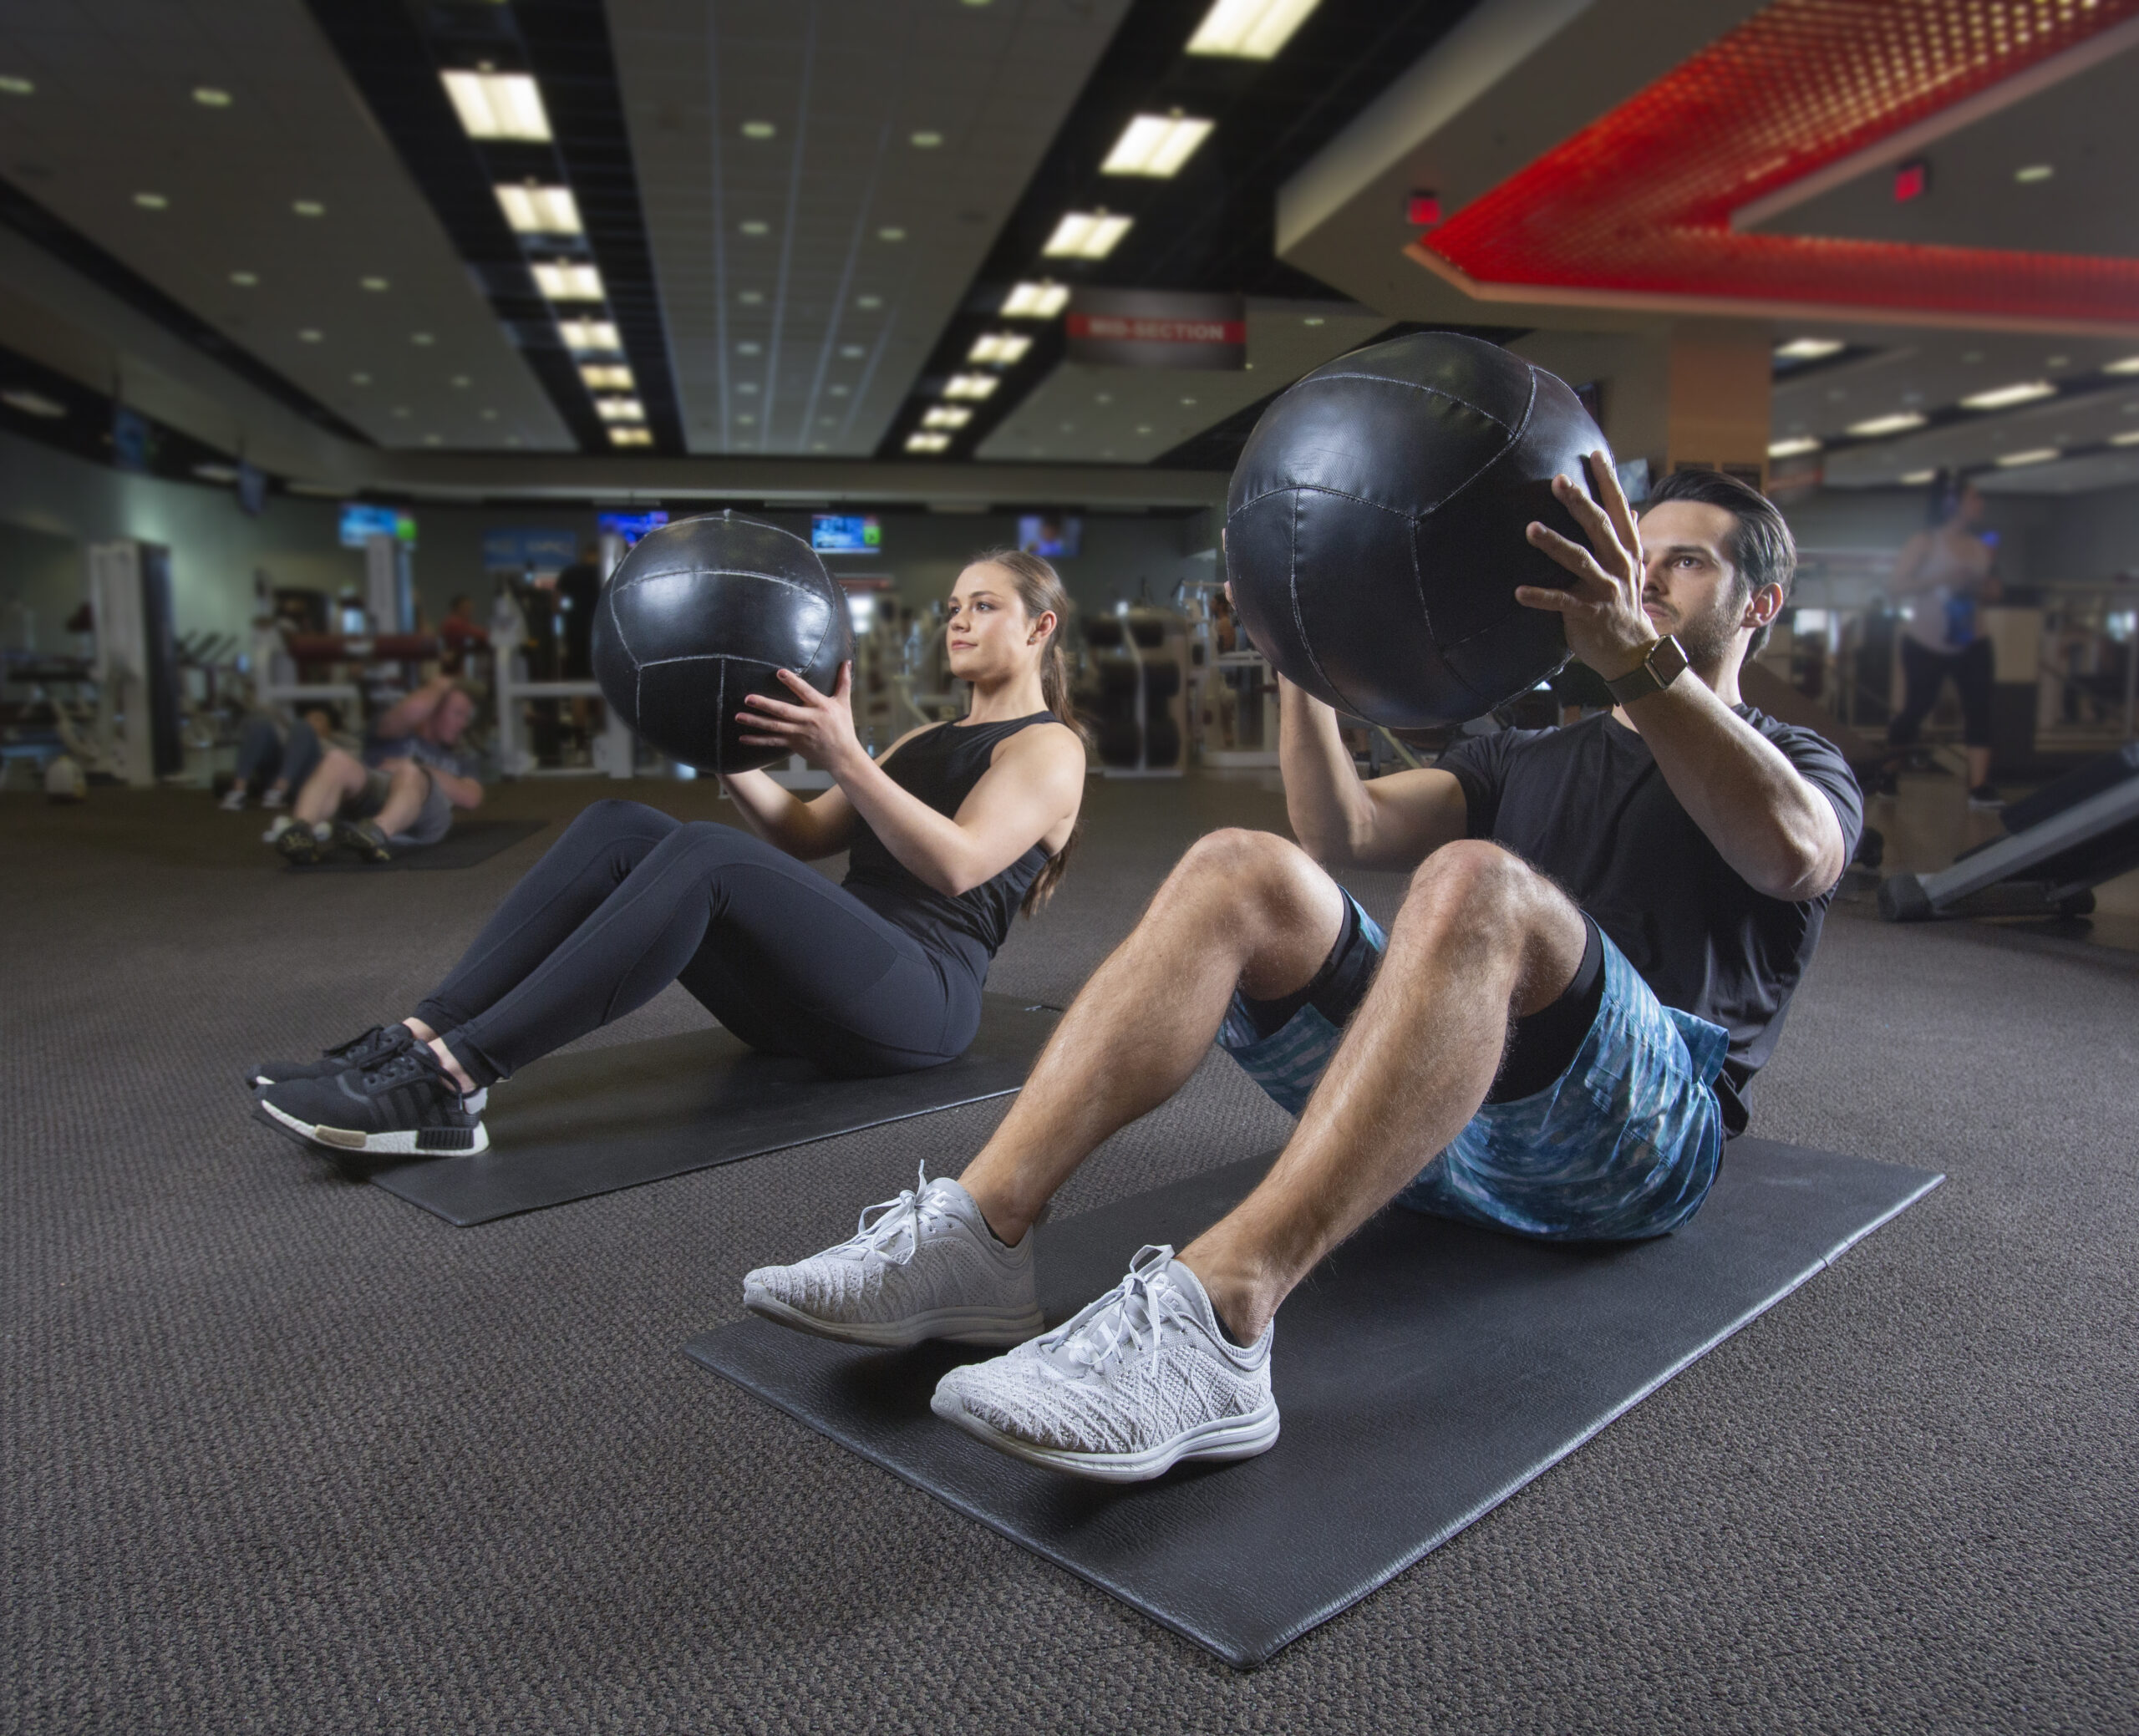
[1135,689]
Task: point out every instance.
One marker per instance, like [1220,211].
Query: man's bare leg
[339,776]
[408,786]
[1245,909]
[1482,938]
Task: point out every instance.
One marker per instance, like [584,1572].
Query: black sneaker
[365,838]
[407,1106]
[368,1050]
[1984,796]
[299,845]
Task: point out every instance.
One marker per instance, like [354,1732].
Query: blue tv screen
[630,525]
[838,533]
[1052,535]
[360,523]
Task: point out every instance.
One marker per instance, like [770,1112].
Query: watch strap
[1664,663]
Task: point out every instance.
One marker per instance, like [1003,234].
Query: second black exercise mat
[577,1125]
[1425,1374]
[469,842]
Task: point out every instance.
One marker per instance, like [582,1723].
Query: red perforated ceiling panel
[1640,200]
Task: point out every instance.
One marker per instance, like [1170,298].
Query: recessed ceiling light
[421,340]
[214,472]
[606,376]
[307,207]
[2130,364]
[970,385]
[209,97]
[1248,29]
[747,348]
[11,85]
[2130,437]
[1156,146]
[360,379]
[1004,348]
[1103,398]
[946,415]
[818,446]
[401,410]
[1899,423]
[750,297]
[2033,455]
[620,409]
[829,421]
[31,404]
[631,437]
[564,280]
[151,201]
[758,129]
[497,105]
[869,304]
[852,352]
[1085,235]
[2033,172]
[244,280]
[890,232]
[433,441]
[461,382]
[1035,301]
[919,441]
[927,141]
[512,439]
[836,391]
[2004,397]
[1792,448]
[1917,478]
[540,210]
[1313,319]
[748,389]
[1143,428]
[748,421]
[754,226]
[1808,349]
[581,335]
[488,415]
[2058,362]
[373,284]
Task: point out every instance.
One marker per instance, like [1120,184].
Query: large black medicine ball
[1374,527]
[701,613]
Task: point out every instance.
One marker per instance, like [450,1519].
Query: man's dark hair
[1761,551]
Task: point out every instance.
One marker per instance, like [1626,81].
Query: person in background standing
[1944,572]
[459,634]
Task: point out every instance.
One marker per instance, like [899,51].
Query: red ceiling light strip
[1639,202]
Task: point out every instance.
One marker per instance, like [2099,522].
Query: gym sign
[1155,328]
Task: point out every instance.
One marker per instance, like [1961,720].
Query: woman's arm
[1032,789]
[823,826]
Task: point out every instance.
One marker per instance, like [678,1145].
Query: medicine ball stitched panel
[704,612]
[1460,439]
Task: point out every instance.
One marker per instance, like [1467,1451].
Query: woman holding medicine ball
[952,831]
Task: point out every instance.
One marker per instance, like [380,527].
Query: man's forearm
[1325,800]
[1777,831]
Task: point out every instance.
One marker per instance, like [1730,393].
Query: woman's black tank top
[941,766]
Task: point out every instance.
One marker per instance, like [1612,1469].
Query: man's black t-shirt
[1587,805]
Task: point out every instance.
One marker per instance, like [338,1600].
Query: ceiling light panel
[946,415]
[589,337]
[919,442]
[1877,427]
[499,105]
[606,377]
[1809,349]
[1249,29]
[2033,455]
[631,437]
[540,211]
[1793,448]
[1004,349]
[2003,398]
[996,82]
[620,409]
[1086,235]
[1035,301]
[565,281]
[1156,146]
[972,386]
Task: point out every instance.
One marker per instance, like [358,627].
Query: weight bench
[2060,842]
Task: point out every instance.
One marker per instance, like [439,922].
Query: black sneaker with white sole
[299,845]
[368,1050]
[363,839]
[406,1106]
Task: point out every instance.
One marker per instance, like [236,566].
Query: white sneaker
[233,801]
[1143,1378]
[925,1266]
[275,827]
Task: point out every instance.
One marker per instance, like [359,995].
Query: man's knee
[1238,873]
[1476,884]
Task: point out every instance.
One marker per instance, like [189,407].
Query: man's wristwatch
[1665,660]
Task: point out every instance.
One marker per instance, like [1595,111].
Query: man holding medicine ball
[1603,928]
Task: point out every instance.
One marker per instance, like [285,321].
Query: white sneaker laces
[893,1237]
[1129,1317]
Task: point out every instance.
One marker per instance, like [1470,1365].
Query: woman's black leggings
[629,901]
[1924,672]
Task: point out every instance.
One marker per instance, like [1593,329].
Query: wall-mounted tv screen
[360,523]
[1052,535]
[630,525]
[840,533]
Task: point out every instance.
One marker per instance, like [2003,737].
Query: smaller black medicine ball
[1374,527]
[701,614]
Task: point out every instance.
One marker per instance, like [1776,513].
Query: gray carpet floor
[283,1453]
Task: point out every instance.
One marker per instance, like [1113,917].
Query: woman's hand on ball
[818,726]
[1607,626]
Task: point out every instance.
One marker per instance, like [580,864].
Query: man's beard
[1706,638]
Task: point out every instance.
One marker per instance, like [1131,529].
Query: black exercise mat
[470,842]
[574,1126]
[1425,1374]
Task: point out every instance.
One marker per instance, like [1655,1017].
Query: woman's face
[988,634]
